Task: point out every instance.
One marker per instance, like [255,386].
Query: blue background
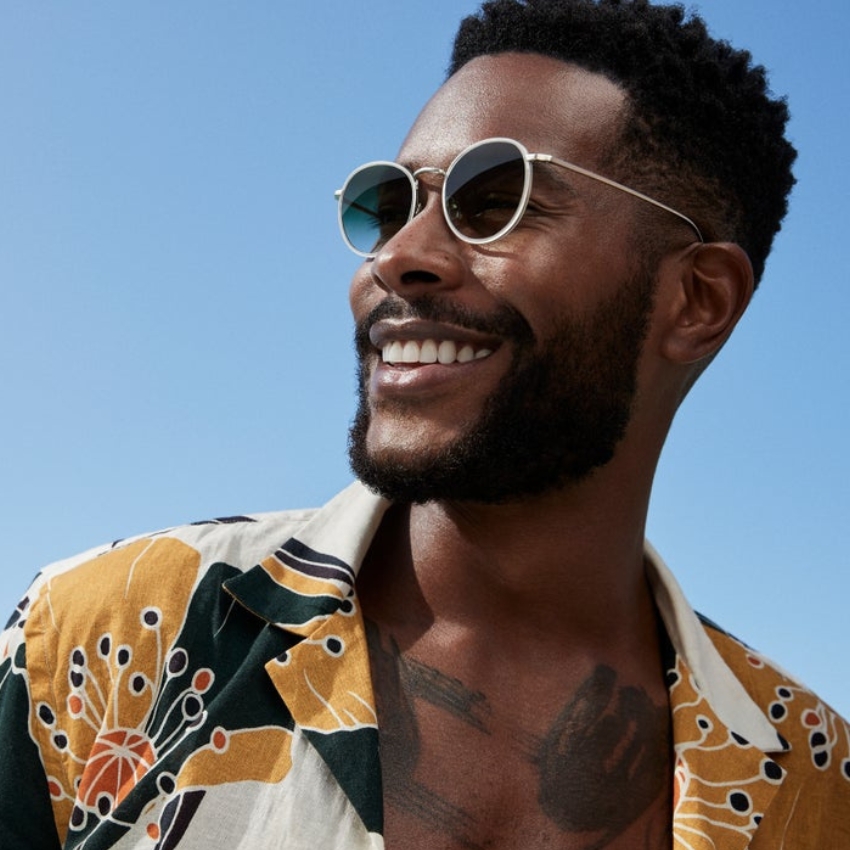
[173,293]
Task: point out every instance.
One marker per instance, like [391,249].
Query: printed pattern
[182,690]
[140,665]
[727,792]
[722,785]
[826,737]
[130,697]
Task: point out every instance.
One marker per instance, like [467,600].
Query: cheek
[548,285]
[537,287]
[362,292]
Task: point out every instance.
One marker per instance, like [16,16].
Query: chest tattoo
[599,766]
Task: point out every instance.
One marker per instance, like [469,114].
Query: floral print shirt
[209,687]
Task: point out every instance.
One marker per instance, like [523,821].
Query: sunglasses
[485,193]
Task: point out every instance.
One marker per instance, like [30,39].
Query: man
[477,649]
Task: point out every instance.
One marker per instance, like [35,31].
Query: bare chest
[464,768]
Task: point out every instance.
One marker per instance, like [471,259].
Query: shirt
[208,687]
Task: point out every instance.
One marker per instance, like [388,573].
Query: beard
[556,415]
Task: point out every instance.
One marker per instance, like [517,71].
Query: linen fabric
[208,687]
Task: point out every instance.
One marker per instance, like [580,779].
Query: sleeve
[26,813]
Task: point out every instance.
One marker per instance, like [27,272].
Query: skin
[515,647]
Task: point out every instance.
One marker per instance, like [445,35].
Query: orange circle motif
[811,718]
[118,760]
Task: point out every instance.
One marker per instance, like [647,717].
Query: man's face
[538,334]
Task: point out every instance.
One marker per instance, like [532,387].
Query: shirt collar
[312,573]
[712,676]
[316,568]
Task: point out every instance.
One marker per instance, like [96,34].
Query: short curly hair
[704,133]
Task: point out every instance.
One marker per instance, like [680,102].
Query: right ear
[714,288]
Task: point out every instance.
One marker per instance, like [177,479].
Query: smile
[427,351]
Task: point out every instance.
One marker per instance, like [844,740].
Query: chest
[520,767]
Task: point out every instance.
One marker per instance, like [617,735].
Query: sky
[176,340]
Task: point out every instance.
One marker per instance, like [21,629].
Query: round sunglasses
[485,193]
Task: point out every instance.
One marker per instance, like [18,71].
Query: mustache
[504,322]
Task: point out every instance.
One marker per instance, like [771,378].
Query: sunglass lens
[376,203]
[485,189]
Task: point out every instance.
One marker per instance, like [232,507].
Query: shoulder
[772,759]
[106,638]
[159,570]
[818,736]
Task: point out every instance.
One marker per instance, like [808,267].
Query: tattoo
[400,741]
[601,765]
[445,692]
[606,758]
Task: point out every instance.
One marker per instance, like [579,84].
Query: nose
[423,257]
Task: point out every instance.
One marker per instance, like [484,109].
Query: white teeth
[410,354]
[447,352]
[465,354]
[392,353]
[429,351]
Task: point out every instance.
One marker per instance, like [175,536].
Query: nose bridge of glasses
[427,170]
[418,183]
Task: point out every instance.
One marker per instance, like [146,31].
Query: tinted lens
[485,190]
[376,202]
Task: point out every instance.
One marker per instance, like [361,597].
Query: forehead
[548,105]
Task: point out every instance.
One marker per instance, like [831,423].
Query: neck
[567,564]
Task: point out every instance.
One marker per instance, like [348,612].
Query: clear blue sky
[176,337]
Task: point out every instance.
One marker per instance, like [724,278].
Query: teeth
[447,352]
[392,353]
[465,354]
[429,351]
[410,353]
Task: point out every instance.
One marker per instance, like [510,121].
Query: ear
[714,287]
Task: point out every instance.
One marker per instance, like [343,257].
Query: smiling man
[473,646]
